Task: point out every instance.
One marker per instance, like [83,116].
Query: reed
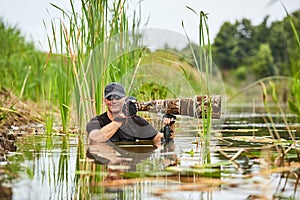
[294,103]
[90,42]
[204,66]
[95,46]
[49,113]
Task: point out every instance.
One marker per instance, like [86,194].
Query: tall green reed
[89,41]
[294,103]
[204,66]
[95,46]
[49,112]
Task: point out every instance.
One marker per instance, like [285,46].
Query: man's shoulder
[97,122]
[102,116]
[102,119]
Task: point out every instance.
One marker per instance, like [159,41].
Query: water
[241,148]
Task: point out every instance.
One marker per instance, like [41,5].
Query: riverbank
[15,117]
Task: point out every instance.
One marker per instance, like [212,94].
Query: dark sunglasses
[116,97]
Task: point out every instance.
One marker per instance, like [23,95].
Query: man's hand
[121,118]
[157,139]
[169,120]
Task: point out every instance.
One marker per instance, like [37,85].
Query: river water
[242,156]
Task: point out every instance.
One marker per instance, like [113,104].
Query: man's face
[114,104]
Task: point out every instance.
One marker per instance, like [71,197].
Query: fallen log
[197,107]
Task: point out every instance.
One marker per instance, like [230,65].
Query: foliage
[294,101]
[264,64]
[278,44]
[225,46]
[241,73]
[20,62]
[239,44]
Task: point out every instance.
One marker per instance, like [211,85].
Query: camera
[129,107]
[167,130]
[167,133]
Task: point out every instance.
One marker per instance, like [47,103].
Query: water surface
[242,155]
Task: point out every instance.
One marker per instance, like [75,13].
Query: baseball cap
[114,89]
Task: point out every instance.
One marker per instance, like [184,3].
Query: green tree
[263,62]
[225,47]
[261,33]
[237,44]
[278,43]
[234,44]
[244,40]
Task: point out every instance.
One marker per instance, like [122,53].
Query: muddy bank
[15,116]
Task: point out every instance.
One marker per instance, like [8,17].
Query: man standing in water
[118,124]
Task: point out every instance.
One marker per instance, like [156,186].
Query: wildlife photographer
[120,122]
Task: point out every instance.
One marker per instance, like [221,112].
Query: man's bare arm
[105,133]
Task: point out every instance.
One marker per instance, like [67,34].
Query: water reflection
[130,169]
[141,156]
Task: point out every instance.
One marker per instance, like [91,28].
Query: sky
[28,15]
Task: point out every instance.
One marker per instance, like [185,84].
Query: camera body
[167,133]
[129,107]
[167,129]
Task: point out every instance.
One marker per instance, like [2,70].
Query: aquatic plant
[294,102]
[86,42]
[204,66]
[49,113]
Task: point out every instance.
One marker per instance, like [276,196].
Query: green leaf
[294,108]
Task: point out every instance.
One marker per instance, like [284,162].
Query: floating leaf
[191,152]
